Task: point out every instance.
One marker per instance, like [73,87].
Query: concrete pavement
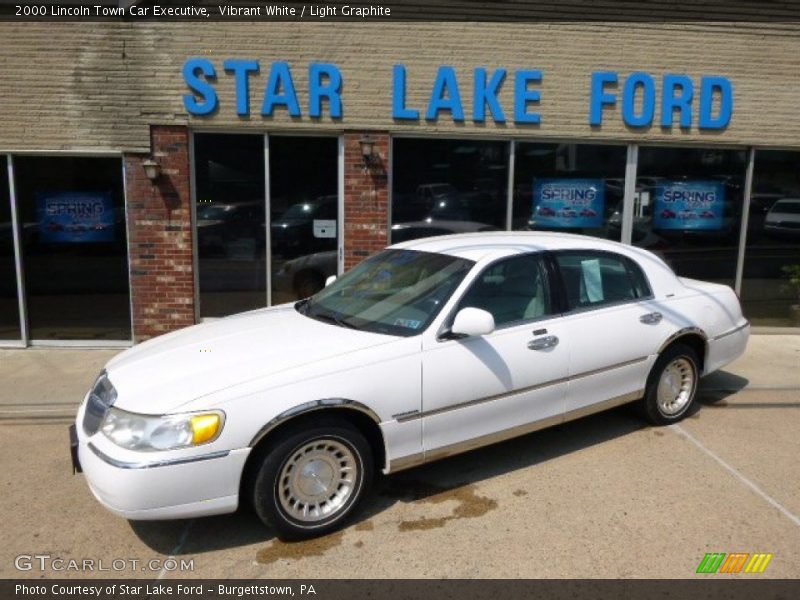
[606,496]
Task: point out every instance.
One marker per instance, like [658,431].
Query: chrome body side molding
[406,462]
[402,418]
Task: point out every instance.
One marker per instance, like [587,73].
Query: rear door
[613,325]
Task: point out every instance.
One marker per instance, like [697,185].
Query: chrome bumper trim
[732,331]
[155,463]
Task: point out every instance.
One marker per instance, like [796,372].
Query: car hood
[162,374]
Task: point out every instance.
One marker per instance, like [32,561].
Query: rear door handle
[651,318]
[543,343]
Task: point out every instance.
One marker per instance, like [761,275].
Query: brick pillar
[160,236]
[366,199]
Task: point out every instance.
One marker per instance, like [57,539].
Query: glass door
[304,209]
[230,221]
[255,248]
[74,241]
[9,302]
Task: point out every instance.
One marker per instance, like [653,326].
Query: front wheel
[313,479]
[671,386]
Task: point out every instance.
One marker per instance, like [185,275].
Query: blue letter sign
[200,87]
[280,77]
[445,96]
[317,90]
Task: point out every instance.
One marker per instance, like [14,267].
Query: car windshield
[396,292]
[791,207]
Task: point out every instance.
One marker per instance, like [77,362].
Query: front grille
[100,400]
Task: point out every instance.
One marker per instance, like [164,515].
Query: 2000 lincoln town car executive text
[429,348]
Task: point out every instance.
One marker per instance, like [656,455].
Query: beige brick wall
[93,86]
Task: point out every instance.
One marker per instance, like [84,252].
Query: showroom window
[442,186]
[230,221]
[304,209]
[74,242]
[9,303]
[772,254]
[575,188]
[237,271]
[687,208]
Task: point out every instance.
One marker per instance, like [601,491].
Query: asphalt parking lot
[606,496]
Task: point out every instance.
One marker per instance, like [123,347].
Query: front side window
[593,279]
[512,290]
[397,292]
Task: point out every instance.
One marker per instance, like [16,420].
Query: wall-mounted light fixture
[152,169]
[368,153]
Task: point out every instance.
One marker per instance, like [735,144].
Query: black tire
[274,488]
[678,356]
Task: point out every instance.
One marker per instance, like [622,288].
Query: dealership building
[154,174]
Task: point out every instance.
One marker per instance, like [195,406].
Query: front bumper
[157,488]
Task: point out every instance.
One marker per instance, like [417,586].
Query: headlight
[150,433]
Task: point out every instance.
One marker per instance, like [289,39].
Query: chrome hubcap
[676,386]
[317,480]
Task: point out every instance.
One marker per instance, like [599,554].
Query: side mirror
[330,280]
[472,322]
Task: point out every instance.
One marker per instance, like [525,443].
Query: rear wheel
[313,479]
[672,385]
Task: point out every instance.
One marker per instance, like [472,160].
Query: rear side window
[594,279]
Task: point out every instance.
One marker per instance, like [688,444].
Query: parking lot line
[681,431]
[178,547]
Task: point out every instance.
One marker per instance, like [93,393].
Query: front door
[497,385]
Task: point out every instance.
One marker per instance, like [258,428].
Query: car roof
[495,244]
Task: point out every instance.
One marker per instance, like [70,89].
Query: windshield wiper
[333,318]
[303,306]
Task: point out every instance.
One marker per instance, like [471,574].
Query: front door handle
[543,343]
[651,318]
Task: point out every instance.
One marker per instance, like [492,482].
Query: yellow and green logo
[737,562]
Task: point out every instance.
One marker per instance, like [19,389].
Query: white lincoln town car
[429,348]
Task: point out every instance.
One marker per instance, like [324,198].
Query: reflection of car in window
[668,214]
[588,212]
[221,225]
[293,232]
[784,217]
